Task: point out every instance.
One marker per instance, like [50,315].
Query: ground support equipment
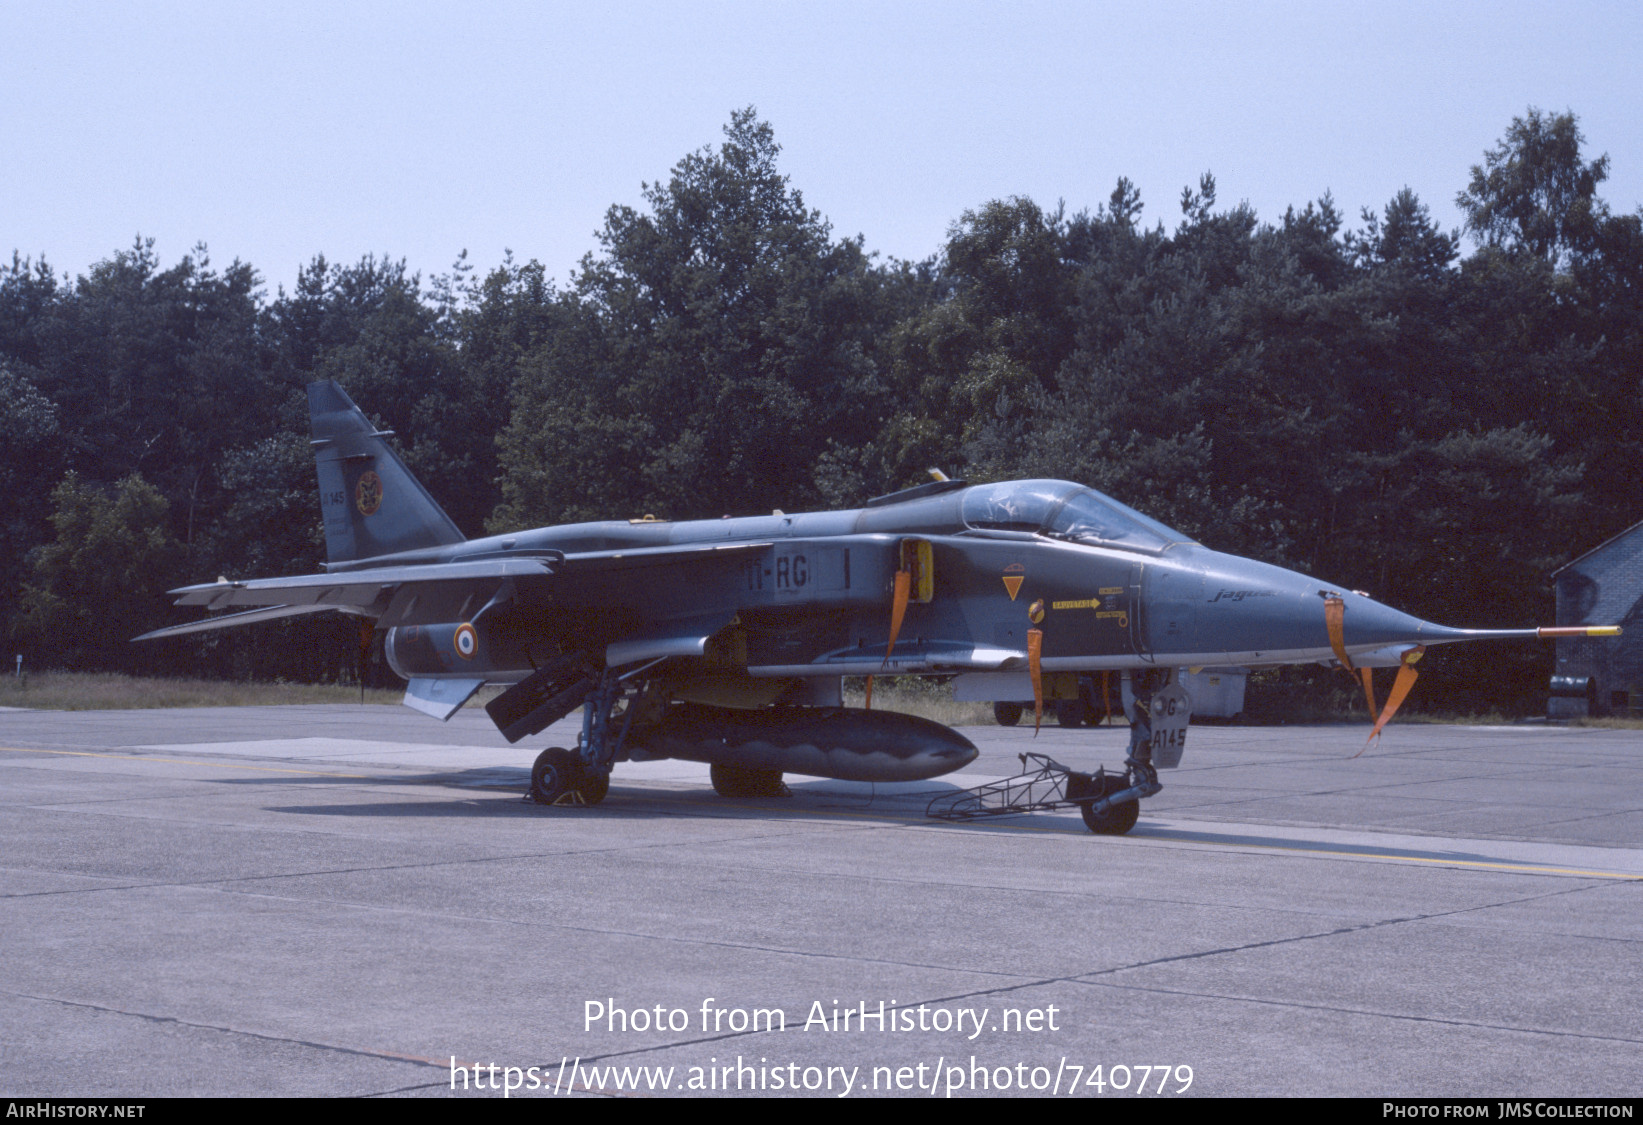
[1109,802]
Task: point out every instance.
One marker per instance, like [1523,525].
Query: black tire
[592,786]
[1118,819]
[554,775]
[1007,714]
[740,781]
[1070,712]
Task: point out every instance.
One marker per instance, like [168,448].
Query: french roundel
[466,641]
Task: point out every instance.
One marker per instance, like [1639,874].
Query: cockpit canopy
[1064,510]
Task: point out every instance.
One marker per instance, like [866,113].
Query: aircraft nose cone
[1366,621]
[1262,611]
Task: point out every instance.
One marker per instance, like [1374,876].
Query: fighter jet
[724,641]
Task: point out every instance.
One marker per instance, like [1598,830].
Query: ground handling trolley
[1109,802]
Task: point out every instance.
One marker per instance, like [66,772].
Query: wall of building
[1604,587]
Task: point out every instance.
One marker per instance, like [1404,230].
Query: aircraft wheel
[1070,712]
[740,781]
[554,775]
[1007,714]
[1118,819]
[593,787]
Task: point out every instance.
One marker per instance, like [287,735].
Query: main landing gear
[582,776]
[560,778]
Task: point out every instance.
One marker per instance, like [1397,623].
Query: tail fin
[371,502]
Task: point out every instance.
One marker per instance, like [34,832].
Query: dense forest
[1437,417]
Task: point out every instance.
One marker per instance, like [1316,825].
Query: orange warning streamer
[1334,617]
[1400,690]
[898,610]
[1035,666]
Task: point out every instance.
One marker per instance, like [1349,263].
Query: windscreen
[1066,510]
[1088,516]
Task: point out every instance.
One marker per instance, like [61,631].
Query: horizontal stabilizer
[369,589]
[440,698]
[249,617]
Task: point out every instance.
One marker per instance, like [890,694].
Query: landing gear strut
[600,739]
[1113,819]
[582,776]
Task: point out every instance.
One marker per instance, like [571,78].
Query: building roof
[1613,539]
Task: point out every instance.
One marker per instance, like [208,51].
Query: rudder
[371,503]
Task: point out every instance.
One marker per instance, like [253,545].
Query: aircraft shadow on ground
[495,791]
[500,791]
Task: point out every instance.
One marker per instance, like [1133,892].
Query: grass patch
[111,691]
[1610,723]
[928,699]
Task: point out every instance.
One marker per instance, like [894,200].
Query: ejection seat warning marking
[1013,576]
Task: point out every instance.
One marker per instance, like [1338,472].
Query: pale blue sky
[276,132]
